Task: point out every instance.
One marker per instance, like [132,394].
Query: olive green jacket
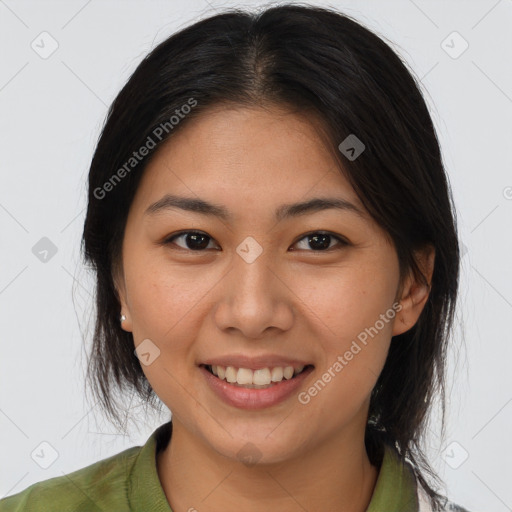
[129,481]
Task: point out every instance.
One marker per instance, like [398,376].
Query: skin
[294,299]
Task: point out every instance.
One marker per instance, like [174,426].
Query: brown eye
[320,241]
[192,240]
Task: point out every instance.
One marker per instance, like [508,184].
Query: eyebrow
[285,211]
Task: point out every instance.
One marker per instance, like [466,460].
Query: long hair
[314,60]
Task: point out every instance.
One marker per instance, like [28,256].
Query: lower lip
[246,398]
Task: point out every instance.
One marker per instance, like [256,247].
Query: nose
[253,299]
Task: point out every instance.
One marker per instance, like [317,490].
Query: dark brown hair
[308,59]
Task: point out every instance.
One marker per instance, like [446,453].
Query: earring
[122,318]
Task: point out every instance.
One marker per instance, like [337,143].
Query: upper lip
[254,363]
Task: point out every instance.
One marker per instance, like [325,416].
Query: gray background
[52,109]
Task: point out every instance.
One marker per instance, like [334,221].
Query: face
[257,284]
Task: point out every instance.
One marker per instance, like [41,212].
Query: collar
[145,491]
[395,488]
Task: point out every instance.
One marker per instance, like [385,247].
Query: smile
[255,379]
[244,392]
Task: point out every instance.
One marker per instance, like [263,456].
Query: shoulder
[99,486]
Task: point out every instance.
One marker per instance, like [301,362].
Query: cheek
[347,301]
[163,299]
[352,313]
[166,306]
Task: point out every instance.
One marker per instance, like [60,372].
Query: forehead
[241,136]
[246,156]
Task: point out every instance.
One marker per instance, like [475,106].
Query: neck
[336,475]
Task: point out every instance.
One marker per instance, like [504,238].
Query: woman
[276,255]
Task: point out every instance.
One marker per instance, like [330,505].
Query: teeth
[288,372]
[244,376]
[261,377]
[277,374]
[231,374]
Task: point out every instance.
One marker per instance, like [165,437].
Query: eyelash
[341,242]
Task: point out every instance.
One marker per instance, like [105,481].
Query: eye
[320,241]
[193,240]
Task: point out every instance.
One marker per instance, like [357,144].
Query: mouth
[261,378]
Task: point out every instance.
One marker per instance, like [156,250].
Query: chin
[256,443]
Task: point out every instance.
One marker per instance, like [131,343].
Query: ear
[413,293]
[119,284]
